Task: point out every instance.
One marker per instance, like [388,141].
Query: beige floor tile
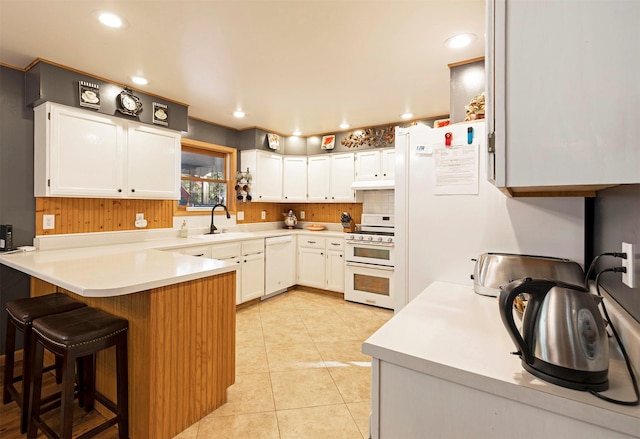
[280,316]
[293,356]
[332,421]
[250,394]
[320,316]
[254,426]
[279,302]
[360,412]
[332,332]
[249,335]
[251,359]
[286,334]
[346,352]
[353,382]
[304,388]
[189,433]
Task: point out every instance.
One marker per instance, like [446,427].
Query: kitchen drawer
[201,251]
[311,242]
[335,244]
[224,251]
[253,246]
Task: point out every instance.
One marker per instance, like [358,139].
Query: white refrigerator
[448,213]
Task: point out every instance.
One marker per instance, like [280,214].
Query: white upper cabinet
[266,170]
[388,164]
[319,178]
[367,165]
[294,179]
[78,153]
[342,174]
[562,89]
[375,169]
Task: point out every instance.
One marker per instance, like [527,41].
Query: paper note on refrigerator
[456,170]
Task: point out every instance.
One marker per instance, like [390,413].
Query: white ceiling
[306,65]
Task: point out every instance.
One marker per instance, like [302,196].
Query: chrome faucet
[213,228]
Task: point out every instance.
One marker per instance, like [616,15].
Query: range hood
[372,185]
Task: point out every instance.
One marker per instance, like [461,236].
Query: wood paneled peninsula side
[181,313]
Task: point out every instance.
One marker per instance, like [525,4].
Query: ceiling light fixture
[344,126]
[296,133]
[109,19]
[139,80]
[239,114]
[406,116]
[459,41]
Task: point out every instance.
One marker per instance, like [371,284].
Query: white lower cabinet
[252,269]
[321,262]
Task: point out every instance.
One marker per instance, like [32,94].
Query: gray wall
[211,133]
[617,219]
[467,81]
[17,204]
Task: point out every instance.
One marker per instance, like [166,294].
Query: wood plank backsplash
[84,215]
[314,212]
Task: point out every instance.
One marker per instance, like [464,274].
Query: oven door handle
[370,266]
[370,243]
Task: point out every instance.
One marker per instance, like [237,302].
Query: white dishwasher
[280,265]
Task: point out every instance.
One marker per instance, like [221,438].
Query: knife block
[349,227]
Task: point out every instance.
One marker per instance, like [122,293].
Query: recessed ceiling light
[459,41]
[139,80]
[406,115]
[239,114]
[344,126]
[110,19]
[296,133]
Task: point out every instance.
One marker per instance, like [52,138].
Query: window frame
[231,162]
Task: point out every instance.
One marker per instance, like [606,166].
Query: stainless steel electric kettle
[563,338]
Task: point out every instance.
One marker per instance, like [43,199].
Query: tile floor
[299,371]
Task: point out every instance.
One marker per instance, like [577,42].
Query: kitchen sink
[224,236]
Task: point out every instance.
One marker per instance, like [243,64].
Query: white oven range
[369,262]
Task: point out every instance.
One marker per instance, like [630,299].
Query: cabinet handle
[197,256]
[311,242]
[375,175]
[133,190]
[119,190]
[334,243]
[321,253]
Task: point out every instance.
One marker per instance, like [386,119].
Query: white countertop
[127,267]
[452,333]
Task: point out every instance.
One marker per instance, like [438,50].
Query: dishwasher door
[280,263]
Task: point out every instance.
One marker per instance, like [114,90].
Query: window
[205,174]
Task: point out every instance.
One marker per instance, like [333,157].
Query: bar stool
[20,316]
[73,335]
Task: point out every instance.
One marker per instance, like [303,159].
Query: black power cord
[595,260]
[615,334]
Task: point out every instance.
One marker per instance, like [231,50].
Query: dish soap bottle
[183,230]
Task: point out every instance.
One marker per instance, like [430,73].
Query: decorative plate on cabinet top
[315,227]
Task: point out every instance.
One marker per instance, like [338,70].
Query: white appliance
[280,263]
[370,262]
[437,235]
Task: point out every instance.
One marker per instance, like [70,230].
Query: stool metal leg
[123,386]
[9,361]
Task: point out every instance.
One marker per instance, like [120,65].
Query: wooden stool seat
[72,335]
[20,315]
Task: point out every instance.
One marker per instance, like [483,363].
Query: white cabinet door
[231,252]
[77,153]
[280,263]
[319,178]
[367,165]
[342,174]
[388,163]
[153,163]
[252,276]
[561,113]
[335,270]
[269,176]
[311,267]
[294,179]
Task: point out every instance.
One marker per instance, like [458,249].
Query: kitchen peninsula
[181,313]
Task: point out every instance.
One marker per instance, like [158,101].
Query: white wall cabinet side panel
[294,179]
[563,113]
[318,178]
[388,164]
[85,153]
[342,175]
[153,163]
[367,165]
[335,270]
